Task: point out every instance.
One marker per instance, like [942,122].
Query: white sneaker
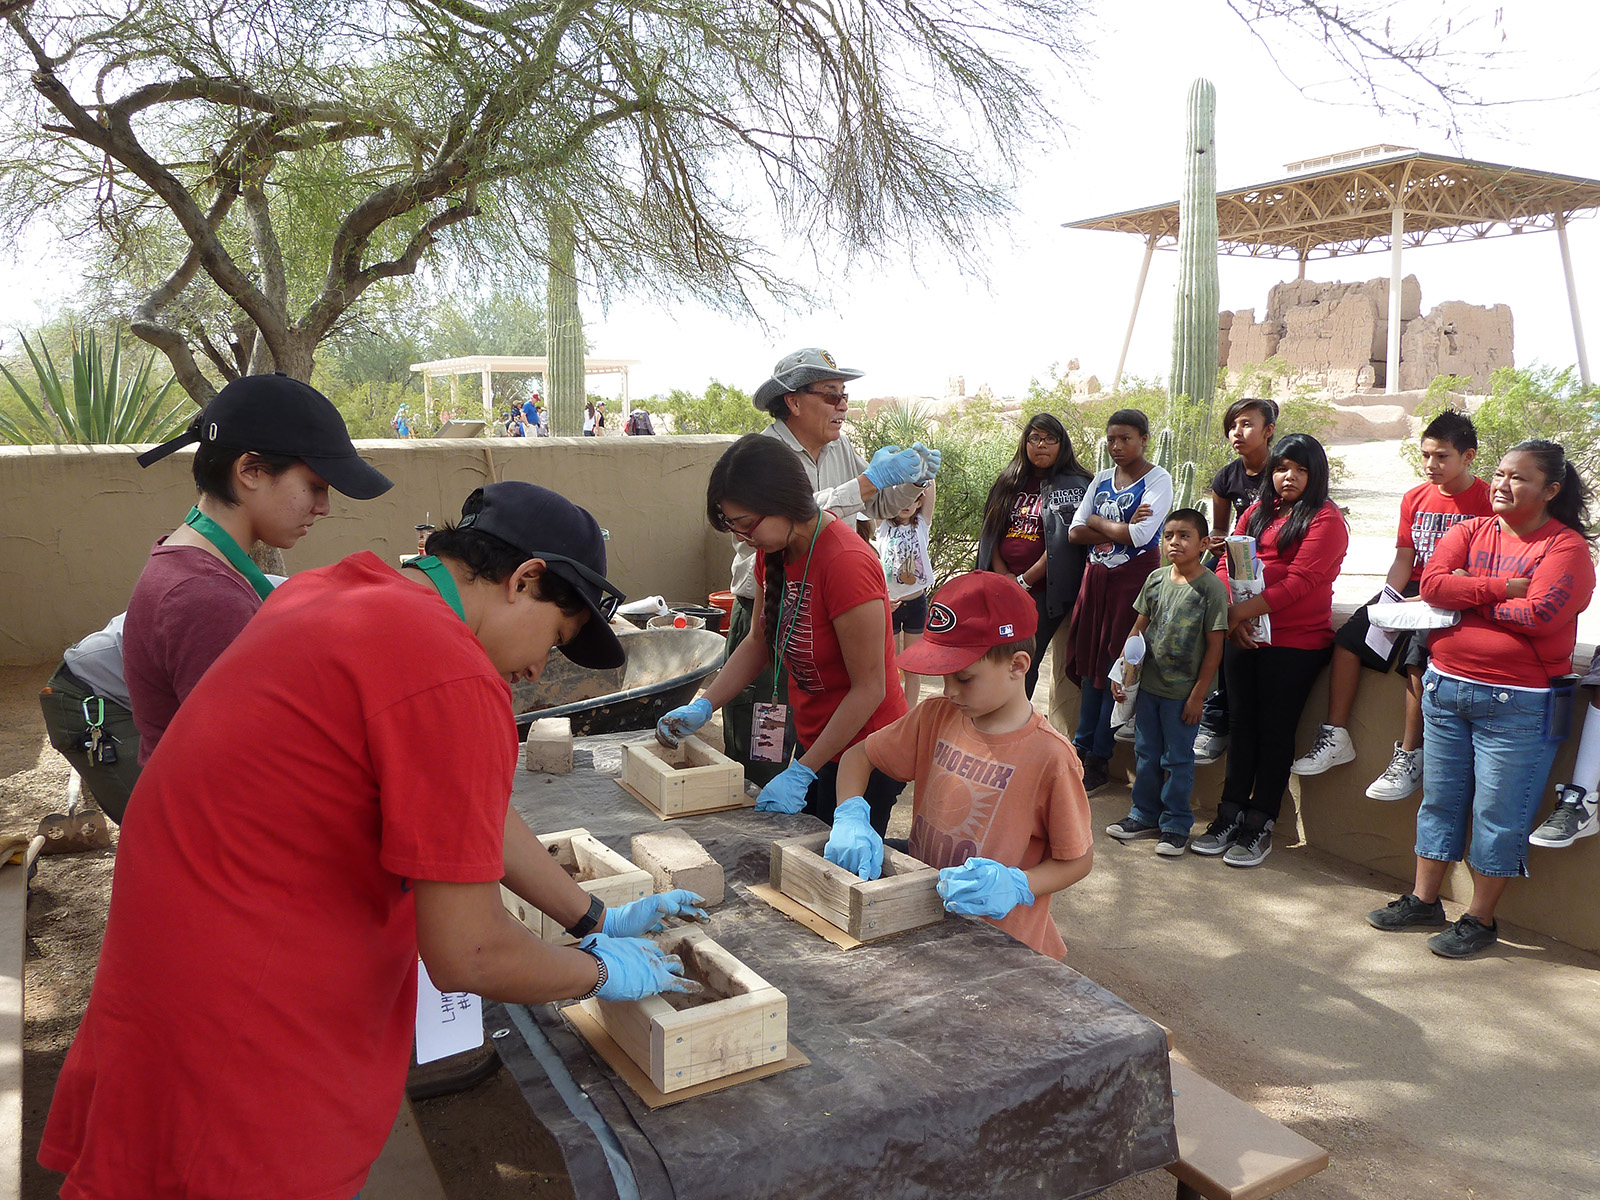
[1125,732]
[1332,748]
[1402,776]
[1575,817]
[1209,746]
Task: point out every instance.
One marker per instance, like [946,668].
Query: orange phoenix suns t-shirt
[1014,797]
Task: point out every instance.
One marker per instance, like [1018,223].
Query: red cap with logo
[973,614]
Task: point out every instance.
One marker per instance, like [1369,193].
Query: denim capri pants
[1484,766]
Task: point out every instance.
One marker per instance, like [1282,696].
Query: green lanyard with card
[439,575]
[230,550]
[768,722]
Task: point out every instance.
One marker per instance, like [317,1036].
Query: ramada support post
[1138,292]
[1397,234]
[1572,298]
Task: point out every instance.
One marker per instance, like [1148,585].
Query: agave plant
[100,403]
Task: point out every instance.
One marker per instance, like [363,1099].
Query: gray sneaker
[1250,848]
[1209,746]
[1407,913]
[1400,778]
[1218,836]
[1574,818]
[1466,937]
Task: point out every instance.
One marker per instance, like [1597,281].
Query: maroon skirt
[1103,616]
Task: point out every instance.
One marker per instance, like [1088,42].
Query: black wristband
[586,924]
[601,981]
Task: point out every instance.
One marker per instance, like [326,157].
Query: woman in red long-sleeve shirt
[1519,580]
[1301,540]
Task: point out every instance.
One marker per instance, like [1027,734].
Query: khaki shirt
[835,480]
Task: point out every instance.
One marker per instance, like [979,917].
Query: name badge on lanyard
[767,725]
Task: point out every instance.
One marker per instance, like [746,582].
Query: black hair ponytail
[1571,505]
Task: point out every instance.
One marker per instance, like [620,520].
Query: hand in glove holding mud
[981,887]
[636,968]
[682,721]
[647,915]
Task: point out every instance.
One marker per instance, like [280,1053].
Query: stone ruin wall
[1334,336]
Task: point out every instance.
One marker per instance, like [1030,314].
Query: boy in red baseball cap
[999,802]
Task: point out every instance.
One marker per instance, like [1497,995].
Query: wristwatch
[1023,580]
[587,922]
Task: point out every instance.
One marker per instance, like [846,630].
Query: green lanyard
[223,541]
[439,575]
[780,651]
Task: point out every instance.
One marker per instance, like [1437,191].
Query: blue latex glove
[636,968]
[645,916]
[787,792]
[981,887]
[930,462]
[892,465]
[854,844]
[682,721]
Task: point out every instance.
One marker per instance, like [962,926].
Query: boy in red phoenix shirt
[999,802]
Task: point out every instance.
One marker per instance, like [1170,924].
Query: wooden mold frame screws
[689,779]
[905,897]
[609,875]
[747,1026]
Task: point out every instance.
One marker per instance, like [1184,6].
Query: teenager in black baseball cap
[268,449]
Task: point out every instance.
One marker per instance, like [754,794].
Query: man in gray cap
[807,399]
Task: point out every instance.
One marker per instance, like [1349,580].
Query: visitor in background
[1301,541]
[1497,696]
[1428,511]
[1120,519]
[824,613]
[908,573]
[530,416]
[1248,424]
[588,419]
[1026,527]
[269,448]
[401,424]
[807,400]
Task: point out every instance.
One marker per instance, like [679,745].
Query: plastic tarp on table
[948,1061]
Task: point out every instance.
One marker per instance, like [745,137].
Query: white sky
[1056,294]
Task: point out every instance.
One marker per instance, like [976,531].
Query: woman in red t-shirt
[1301,541]
[1491,723]
[825,612]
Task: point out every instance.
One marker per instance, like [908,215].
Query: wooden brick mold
[599,870]
[689,779]
[740,1021]
[904,898]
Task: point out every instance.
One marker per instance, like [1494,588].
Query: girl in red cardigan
[1301,539]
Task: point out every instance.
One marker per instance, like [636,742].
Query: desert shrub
[719,409]
[1523,403]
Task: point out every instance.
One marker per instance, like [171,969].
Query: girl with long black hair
[1301,541]
[1026,522]
[824,613]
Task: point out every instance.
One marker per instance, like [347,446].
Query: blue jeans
[1094,734]
[1163,743]
[1484,766]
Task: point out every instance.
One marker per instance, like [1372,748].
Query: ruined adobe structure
[1334,336]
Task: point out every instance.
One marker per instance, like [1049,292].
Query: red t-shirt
[186,608]
[1427,514]
[1014,797]
[1023,540]
[845,573]
[1300,587]
[253,1011]
[1517,642]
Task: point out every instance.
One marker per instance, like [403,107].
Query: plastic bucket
[713,617]
[723,602]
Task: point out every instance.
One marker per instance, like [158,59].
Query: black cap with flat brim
[274,414]
[546,525]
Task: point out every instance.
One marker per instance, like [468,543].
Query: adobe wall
[80,520]
[1333,813]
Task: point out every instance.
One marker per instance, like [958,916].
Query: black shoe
[1250,848]
[1466,937]
[1130,828]
[1219,835]
[1172,845]
[1408,913]
[1095,773]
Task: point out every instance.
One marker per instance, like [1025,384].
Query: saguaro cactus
[1194,322]
[565,380]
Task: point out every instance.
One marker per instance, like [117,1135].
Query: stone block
[549,746]
[676,860]
[1250,343]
